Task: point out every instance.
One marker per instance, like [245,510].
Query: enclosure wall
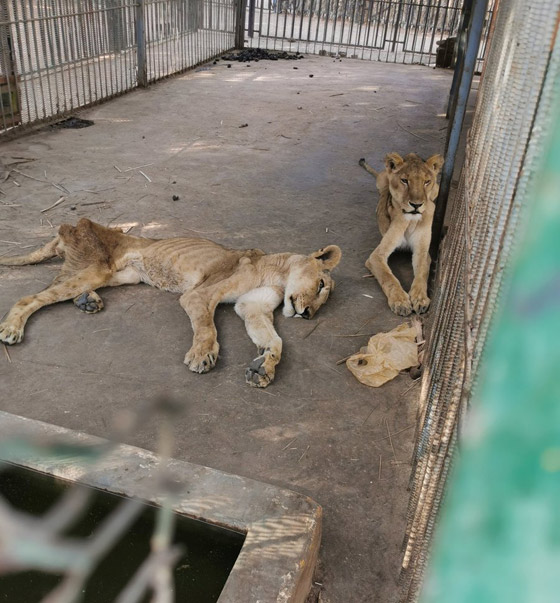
[59,55]
[393,31]
[487,219]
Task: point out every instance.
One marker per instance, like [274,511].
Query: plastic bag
[385,355]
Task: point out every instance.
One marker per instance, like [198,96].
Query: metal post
[397,24]
[251,18]
[461,40]
[142,77]
[473,42]
[240,24]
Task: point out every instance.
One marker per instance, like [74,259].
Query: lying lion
[407,190]
[204,272]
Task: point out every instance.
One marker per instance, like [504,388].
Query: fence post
[240,24]
[142,76]
[463,85]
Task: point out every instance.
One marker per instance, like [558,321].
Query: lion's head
[412,181]
[309,282]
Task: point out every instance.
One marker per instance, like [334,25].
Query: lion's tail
[368,168]
[39,255]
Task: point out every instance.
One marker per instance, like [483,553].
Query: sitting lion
[204,272]
[407,190]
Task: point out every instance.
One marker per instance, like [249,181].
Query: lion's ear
[328,256]
[393,162]
[435,163]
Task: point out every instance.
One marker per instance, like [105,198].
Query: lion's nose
[416,205]
[305,313]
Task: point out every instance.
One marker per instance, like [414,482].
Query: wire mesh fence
[59,55]
[382,30]
[512,114]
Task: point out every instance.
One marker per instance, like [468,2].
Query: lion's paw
[400,304]
[201,360]
[10,334]
[420,302]
[260,373]
[89,302]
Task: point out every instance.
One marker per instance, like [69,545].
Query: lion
[203,272]
[407,190]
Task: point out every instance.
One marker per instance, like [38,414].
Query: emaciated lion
[204,272]
[407,190]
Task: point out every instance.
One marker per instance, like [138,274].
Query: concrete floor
[288,181]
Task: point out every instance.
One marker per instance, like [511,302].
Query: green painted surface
[499,538]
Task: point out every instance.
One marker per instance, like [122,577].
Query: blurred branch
[36,543]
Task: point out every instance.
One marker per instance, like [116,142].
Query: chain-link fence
[513,112]
[59,55]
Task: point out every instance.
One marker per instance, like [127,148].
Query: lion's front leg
[377,263]
[419,289]
[256,308]
[203,354]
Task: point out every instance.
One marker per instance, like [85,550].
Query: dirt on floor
[250,155]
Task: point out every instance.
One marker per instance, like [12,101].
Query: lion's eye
[404,180]
[427,182]
[321,285]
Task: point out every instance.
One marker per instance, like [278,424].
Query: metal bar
[142,74]
[461,43]
[240,23]
[471,53]
[396,30]
[251,24]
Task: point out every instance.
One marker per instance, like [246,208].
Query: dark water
[200,574]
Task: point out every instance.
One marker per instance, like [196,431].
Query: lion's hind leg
[48,251]
[256,308]
[64,287]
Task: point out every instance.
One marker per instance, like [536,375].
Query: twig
[7,354]
[355,335]
[30,177]
[53,205]
[395,433]
[364,324]
[416,381]
[118,168]
[379,476]
[413,134]
[304,453]
[61,188]
[390,438]
[313,329]
[342,360]
[290,443]
[137,167]
[147,177]
[101,190]
[94,202]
